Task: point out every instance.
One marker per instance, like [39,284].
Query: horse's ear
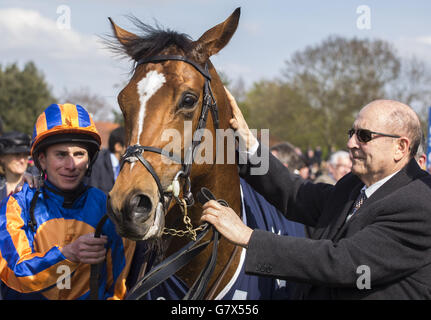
[123,36]
[216,38]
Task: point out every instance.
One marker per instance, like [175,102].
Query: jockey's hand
[86,249]
[238,123]
[227,222]
[33,182]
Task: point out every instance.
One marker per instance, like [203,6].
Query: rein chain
[189,226]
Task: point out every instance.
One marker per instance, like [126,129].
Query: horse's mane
[150,41]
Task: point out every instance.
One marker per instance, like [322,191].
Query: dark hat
[14,142]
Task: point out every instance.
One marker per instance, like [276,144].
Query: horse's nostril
[144,202]
[141,205]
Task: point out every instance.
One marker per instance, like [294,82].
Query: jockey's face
[65,164]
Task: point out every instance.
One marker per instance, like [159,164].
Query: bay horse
[173,80]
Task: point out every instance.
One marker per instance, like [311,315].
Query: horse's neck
[223,182]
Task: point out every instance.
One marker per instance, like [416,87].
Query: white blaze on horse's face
[147,87]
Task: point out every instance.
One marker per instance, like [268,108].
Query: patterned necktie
[358,203]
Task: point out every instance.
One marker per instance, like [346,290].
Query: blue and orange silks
[63,118]
[31,263]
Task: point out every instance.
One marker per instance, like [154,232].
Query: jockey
[47,233]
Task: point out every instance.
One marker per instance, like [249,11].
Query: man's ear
[402,148]
[42,160]
[422,161]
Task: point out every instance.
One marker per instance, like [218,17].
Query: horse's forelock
[150,41]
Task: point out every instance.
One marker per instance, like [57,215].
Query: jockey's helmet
[62,123]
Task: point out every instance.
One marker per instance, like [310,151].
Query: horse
[174,83]
[164,94]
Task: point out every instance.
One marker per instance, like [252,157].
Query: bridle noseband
[136,151]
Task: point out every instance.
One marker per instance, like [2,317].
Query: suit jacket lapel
[335,228]
[410,172]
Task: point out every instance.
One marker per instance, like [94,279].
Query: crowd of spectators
[311,164]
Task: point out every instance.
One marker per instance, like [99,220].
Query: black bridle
[135,152]
[168,267]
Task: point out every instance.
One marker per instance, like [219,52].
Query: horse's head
[164,97]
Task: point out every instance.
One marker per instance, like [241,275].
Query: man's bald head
[395,133]
[398,118]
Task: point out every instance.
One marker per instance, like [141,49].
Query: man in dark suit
[377,248]
[107,166]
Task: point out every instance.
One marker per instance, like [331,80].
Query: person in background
[339,164]
[107,166]
[318,154]
[310,157]
[14,153]
[291,159]
[47,233]
[286,153]
[421,156]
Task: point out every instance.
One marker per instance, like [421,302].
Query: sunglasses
[365,135]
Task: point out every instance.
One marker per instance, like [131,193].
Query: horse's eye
[188,101]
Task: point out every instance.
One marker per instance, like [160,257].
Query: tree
[288,116]
[24,94]
[338,77]
[413,87]
[324,86]
[96,105]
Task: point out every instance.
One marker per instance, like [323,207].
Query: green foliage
[340,76]
[324,86]
[24,94]
[118,117]
[287,115]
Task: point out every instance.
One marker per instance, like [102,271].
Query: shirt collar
[114,160]
[373,188]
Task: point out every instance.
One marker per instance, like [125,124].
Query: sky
[63,38]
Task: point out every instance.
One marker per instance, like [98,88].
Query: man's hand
[33,182]
[86,249]
[238,123]
[227,222]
